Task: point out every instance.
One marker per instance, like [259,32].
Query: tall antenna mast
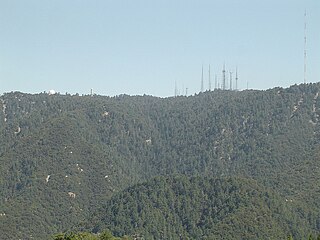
[215,82]
[202,79]
[230,80]
[305,46]
[224,77]
[209,79]
[236,79]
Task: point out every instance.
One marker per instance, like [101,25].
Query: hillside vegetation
[200,208]
[62,157]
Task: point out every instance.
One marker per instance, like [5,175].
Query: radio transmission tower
[224,77]
[209,79]
[230,80]
[236,79]
[175,89]
[215,82]
[305,46]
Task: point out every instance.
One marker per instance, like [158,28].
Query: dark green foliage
[270,136]
[200,208]
[105,235]
[309,238]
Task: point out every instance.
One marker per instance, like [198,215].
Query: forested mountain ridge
[62,156]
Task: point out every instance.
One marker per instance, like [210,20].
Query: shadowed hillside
[200,208]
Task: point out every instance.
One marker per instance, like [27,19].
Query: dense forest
[68,161]
[200,208]
[105,235]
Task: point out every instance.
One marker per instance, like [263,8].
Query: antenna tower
[215,82]
[202,79]
[230,80]
[236,79]
[224,77]
[175,89]
[209,79]
[305,46]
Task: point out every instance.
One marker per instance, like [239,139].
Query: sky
[150,46]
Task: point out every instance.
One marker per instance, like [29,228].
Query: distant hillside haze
[67,158]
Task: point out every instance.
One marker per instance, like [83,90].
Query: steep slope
[64,155]
[63,162]
[52,173]
[200,208]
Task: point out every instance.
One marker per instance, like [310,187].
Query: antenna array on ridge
[227,81]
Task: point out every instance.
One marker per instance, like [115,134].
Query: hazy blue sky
[145,46]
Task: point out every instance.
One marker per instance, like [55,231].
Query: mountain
[200,208]
[63,156]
